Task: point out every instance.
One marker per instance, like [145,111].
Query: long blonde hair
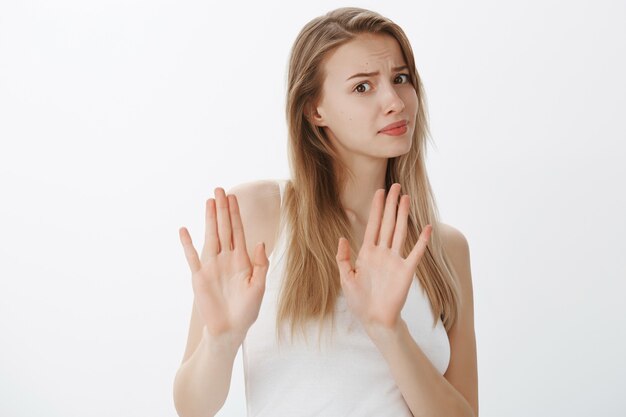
[313,213]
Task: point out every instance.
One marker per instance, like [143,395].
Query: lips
[394,125]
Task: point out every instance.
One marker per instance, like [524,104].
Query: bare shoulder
[264,189]
[259,206]
[457,248]
[260,191]
[453,239]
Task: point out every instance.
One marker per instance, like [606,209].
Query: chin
[400,154]
[406,149]
[397,154]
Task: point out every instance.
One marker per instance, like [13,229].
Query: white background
[119,118]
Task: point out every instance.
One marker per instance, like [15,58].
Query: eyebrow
[369,74]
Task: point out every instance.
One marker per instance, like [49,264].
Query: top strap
[281,186]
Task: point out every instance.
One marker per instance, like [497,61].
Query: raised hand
[377,287]
[228,289]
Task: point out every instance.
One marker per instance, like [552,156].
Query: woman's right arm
[228,290]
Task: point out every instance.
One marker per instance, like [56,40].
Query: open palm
[228,288]
[377,287]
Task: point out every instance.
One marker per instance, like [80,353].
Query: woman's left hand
[377,288]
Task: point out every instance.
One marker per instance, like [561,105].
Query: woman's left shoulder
[452,238]
[456,247]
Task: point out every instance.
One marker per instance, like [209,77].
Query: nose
[392,101]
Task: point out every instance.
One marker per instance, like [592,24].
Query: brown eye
[406,75]
[357,88]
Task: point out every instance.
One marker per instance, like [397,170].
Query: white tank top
[344,376]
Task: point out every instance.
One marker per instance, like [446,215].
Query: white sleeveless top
[343,376]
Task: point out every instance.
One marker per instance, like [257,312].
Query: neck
[356,193]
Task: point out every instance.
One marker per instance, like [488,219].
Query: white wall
[119,118]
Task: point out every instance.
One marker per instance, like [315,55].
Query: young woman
[353,238]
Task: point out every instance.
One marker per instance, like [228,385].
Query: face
[354,109]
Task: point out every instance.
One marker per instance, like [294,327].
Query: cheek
[351,123]
[410,98]
[360,111]
[348,115]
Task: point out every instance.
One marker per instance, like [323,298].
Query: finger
[239,238]
[260,266]
[420,247]
[190,251]
[389,217]
[399,235]
[343,258]
[373,223]
[223,220]
[211,242]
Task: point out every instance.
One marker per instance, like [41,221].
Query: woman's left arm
[376,288]
[425,390]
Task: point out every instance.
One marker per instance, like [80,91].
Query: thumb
[343,258]
[420,247]
[260,265]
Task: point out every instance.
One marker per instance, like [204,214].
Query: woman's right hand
[228,289]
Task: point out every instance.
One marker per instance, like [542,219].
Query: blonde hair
[313,213]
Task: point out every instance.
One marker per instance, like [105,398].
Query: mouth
[394,126]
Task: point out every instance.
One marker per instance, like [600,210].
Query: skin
[353,112]
[376,288]
[228,287]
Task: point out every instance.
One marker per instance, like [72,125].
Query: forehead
[367,52]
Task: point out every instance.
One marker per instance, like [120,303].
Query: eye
[406,75]
[357,88]
[360,91]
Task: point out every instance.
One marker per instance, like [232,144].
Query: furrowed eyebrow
[369,74]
